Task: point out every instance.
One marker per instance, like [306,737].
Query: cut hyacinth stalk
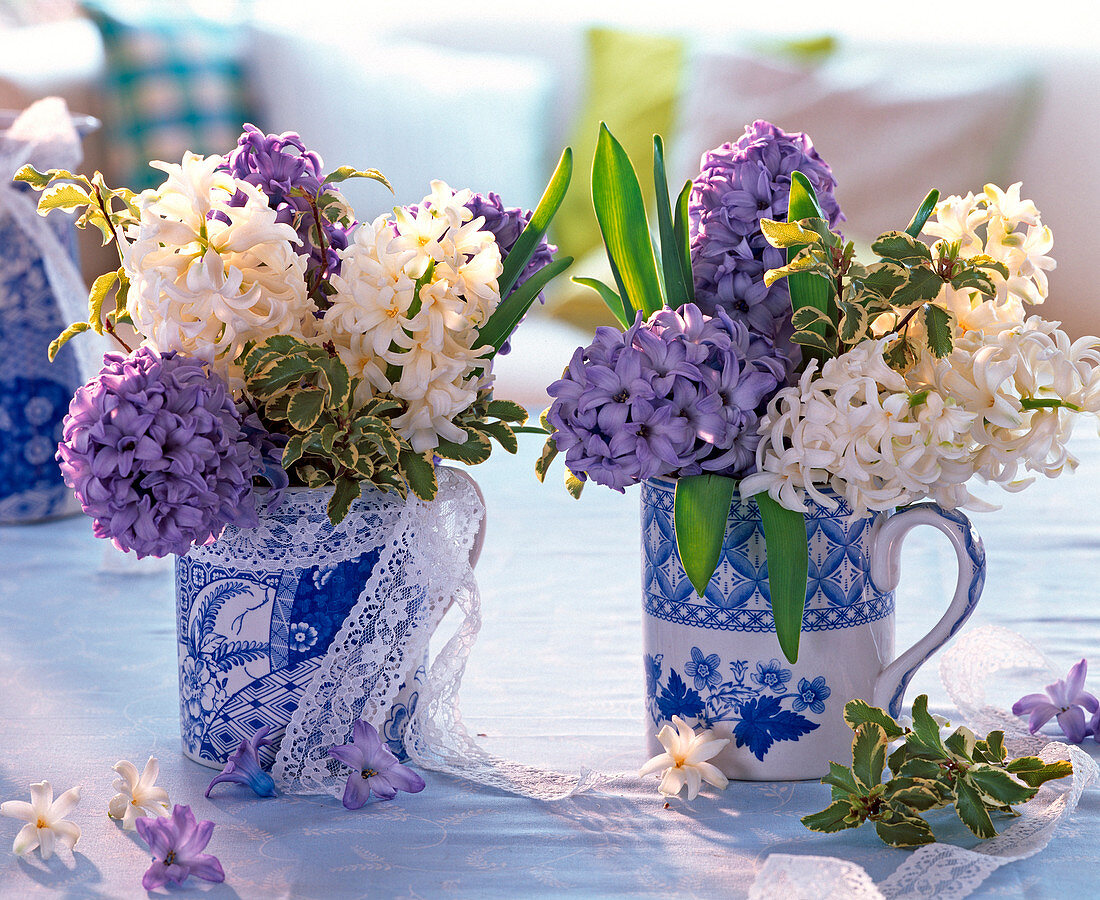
[620,211]
[788,568]
[702,506]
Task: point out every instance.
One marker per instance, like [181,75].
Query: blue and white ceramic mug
[252,636]
[716,661]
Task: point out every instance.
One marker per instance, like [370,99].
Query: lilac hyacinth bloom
[1065,699]
[677,395]
[154,450]
[376,768]
[243,767]
[739,184]
[277,164]
[177,843]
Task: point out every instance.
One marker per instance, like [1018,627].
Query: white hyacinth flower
[684,762]
[206,277]
[137,794]
[418,345]
[45,817]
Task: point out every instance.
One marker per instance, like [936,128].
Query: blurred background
[485,95]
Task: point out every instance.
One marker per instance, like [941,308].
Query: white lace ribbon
[424,568]
[970,669]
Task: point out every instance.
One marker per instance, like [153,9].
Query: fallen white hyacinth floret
[684,761]
[137,794]
[45,818]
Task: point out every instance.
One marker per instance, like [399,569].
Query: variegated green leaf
[573,484]
[62,339]
[305,408]
[419,473]
[788,234]
[837,816]
[549,451]
[346,491]
[66,196]
[937,324]
[507,411]
[346,172]
[901,247]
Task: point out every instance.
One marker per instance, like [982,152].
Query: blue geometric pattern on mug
[837,578]
[752,699]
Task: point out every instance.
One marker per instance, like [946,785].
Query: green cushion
[634,82]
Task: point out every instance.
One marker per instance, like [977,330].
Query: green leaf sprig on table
[928,772]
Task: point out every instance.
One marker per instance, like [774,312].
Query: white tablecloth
[88,677]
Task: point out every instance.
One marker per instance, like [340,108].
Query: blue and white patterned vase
[34,393]
[257,610]
[716,661]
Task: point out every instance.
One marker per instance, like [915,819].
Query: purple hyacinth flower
[243,767]
[1065,699]
[154,449]
[177,843]
[375,768]
[278,164]
[739,184]
[675,395]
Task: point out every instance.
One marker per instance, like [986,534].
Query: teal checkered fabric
[173,83]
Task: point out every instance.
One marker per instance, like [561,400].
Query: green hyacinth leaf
[788,567]
[807,288]
[620,212]
[612,300]
[514,307]
[526,244]
[702,507]
[682,234]
[677,277]
[923,212]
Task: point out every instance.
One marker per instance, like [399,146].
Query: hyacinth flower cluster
[675,395]
[292,179]
[739,184]
[154,450]
[279,339]
[992,392]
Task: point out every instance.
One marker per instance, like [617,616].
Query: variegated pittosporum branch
[903,283]
[304,391]
[110,210]
[927,772]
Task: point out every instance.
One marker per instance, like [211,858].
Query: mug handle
[886,572]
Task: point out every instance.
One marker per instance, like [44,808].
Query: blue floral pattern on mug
[755,708]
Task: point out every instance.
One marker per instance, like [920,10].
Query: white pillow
[892,124]
[413,111]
